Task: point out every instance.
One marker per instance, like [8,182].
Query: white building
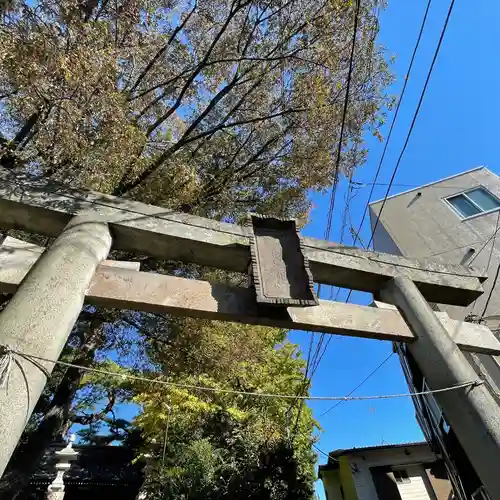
[408,471]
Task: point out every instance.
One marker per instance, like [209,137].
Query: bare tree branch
[162,50]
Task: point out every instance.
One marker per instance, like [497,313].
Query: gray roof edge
[338,453]
[480,167]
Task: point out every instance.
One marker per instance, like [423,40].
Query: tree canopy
[214,107]
[228,103]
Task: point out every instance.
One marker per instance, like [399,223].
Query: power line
[485,243]
[7,362]
[497,228]
[487,268]
[317,448]
[331,208]
[491,290]
[333,194]
[415,116]
[492,237]
[394,118]
[350,195]
[342,127]
[397,166]
[362,184]
[368,377]
[398,162]
[494,241]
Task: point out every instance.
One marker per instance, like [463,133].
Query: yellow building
[409,471]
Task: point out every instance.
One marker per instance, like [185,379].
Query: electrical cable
[368,377]
[394,174]
[491,291]
[394,118]
[361,185]
[492,237]
[487,268]
[415,116]
[333,193]
[350,195]
[412,125]
[6,362]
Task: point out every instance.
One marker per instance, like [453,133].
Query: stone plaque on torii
[50,289]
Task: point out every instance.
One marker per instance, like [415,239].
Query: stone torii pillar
[472,411]
[39,318]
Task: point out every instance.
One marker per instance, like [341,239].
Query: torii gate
[50,289]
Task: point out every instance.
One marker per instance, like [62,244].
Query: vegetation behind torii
[212,107]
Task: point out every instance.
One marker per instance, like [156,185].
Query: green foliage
[214,107]
[251,450]
[217,106]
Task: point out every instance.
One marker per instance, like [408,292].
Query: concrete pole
[39,319]
[472,412]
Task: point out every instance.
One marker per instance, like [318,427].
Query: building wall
[425,227]
[363,481]
[347,479]
[331,484]
[419,487]
[437,477]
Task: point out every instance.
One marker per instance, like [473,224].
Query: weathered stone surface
[470,337]
[45,208]
[123,288]
[39,317]
[281,273]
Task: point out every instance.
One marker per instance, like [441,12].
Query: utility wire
[415,116]
[331,208]
[399,160]
[351,183]
[342,127]
[7,357]
[356,236]
[362,184]
[492,237]
[350,195]
[491,291]
[368,377]
[327,455]
[397,166]
[394,118]
[487,268]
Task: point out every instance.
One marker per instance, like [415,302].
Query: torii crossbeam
[50,290]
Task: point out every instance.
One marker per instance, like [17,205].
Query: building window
[401,476]
[431,403]
[444,425]
[473,202]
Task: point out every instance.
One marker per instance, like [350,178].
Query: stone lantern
[64,457]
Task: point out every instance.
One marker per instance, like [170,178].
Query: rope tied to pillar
[7,357]
[6,360]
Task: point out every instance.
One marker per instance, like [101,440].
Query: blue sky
[455,131]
